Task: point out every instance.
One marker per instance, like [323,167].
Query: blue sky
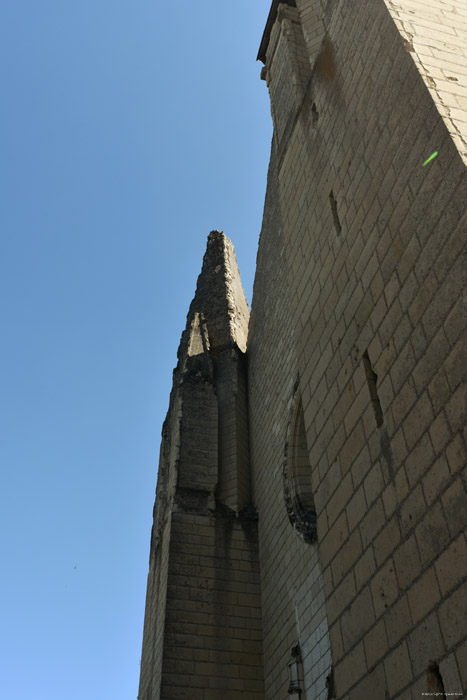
[129,130]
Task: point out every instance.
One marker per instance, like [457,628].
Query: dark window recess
[314,114]
[296,472]
[335,216]
[434,680]
[330,685]
[372,378]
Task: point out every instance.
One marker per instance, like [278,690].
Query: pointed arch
[296,471]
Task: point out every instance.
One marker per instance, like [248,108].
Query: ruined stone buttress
[203,628]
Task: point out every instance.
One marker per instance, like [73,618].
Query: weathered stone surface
[202,632]
[344,400]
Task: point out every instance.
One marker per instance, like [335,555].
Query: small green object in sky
[433,155]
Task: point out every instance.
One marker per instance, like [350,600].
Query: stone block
[384,588]
[432,534]
[453,618]
[398,669]
[423,595]
[376,644]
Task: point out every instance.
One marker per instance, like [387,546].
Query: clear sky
[129,129]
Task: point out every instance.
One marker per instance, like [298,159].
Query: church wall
[353,383]
[156,593]
[435,34]
[373,318]
[213,635]
[291,583]
[203,624]
[213,629]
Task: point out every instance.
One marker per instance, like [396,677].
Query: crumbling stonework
[203,628]
[309,532]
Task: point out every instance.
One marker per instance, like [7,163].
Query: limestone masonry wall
[375,250]
[309,535]
[435,34]
[291,582]
[203,627]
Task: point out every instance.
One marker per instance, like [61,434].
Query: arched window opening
[298,491]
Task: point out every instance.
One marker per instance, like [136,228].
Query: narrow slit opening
[314,114]
[337,223]
[434,680]
[371,379]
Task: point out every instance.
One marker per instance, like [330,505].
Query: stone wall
[291,582]
[311,504]
[374,319]
[203,624]
[435,34]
